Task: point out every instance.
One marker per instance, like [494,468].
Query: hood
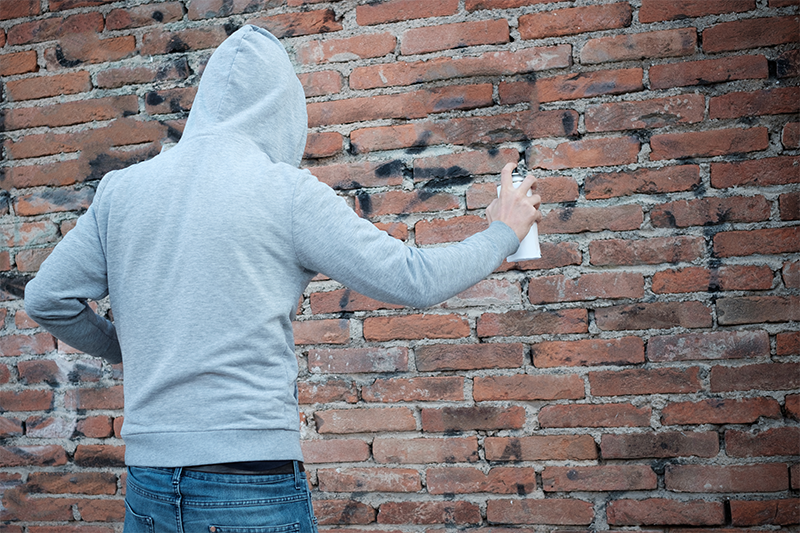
[249,89]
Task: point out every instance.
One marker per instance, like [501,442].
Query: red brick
[654,250]
[454,229]
[53,200]
[205,9]
[535,511]
[710,211]
[656,315]
[321,83]
[645,381]
[332,331]
[97,427]
[590,286]
[416,327]
[756,309]
[369,480]
[763,241]
[486,293]
[28,456]
[658,10]
[346,49]
[159,41]
[712,345]
[72,483]
[330,391]
[751,33]
[437,357]
[787,343]
[326,144]
[708,71]
[587,415]
[475,5]
[447,450]
[525,387]
[31,260]
[720,411]
[598,478]
[95,398]
[19,507]
[419,389]
[665,444]
[10,427]
[585,153]
[790,206]
[36,344]
[583,219]
[11,9]
[656,113]
[343,512]
[472,418]
[44,427]
[458,35]
[642,181]
[794,474]
[340,300]
[96,510]
[792,402]
[45,86]
[765,512]
[397,10]
[757,173]
[89,49]
[666,43]
[541,448]
[396,202]
[21,234]
[5,374]
[357,175]
[365,420]
[769,477]
[488,64]
[334,451]
[170,101]
[417,104]
[525,323]
[575,20]
[71,113]
[466,131]
[297,24]
[55,28]
[589,352]
[18,63]
[55,372]
[768,443]
[429,512]
[788,64]
[708,143]
[463,164]
[134,17]
[358,360]
[699,279]
[499,480]
[662,511]
[571,86]
[764,102]
[791,135]
[767,376]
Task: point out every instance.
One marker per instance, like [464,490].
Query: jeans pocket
[136,523]
[287,528]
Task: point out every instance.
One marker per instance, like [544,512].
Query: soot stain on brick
[13,285]
[176,106]
[344,300]
[521,490]
[153,98]
[173,134]
[434,187]
[441,172]
[230,28]
[655,118]
[566,214]
[643,136]
[63,61]
[158,16]
[512,451]
[364,203]
[420,144]
[567,122]
[175,44]
[670,217]
[392,168]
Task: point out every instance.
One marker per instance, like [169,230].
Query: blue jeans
[176,500]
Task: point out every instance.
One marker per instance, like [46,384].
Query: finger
[536,200]
[506,182]
[527,184]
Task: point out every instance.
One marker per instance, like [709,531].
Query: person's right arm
[330,238]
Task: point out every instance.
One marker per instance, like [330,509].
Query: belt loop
[177,474]
[298,481]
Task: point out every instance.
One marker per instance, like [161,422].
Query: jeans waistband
[251,468]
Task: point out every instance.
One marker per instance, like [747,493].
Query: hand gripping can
[529,247]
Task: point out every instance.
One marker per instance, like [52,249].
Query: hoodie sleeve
[332,239]
[74,272]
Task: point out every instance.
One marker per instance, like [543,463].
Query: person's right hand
[513,206]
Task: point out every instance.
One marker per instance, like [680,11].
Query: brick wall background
[643,374]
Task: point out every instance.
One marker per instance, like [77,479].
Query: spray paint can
[529,246]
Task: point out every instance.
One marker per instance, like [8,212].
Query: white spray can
[529,247]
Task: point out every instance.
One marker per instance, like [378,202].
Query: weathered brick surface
[654,344]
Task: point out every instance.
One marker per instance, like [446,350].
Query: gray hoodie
[205,251]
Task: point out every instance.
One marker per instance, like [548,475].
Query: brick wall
[644,373]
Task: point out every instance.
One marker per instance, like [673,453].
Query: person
[204,252]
